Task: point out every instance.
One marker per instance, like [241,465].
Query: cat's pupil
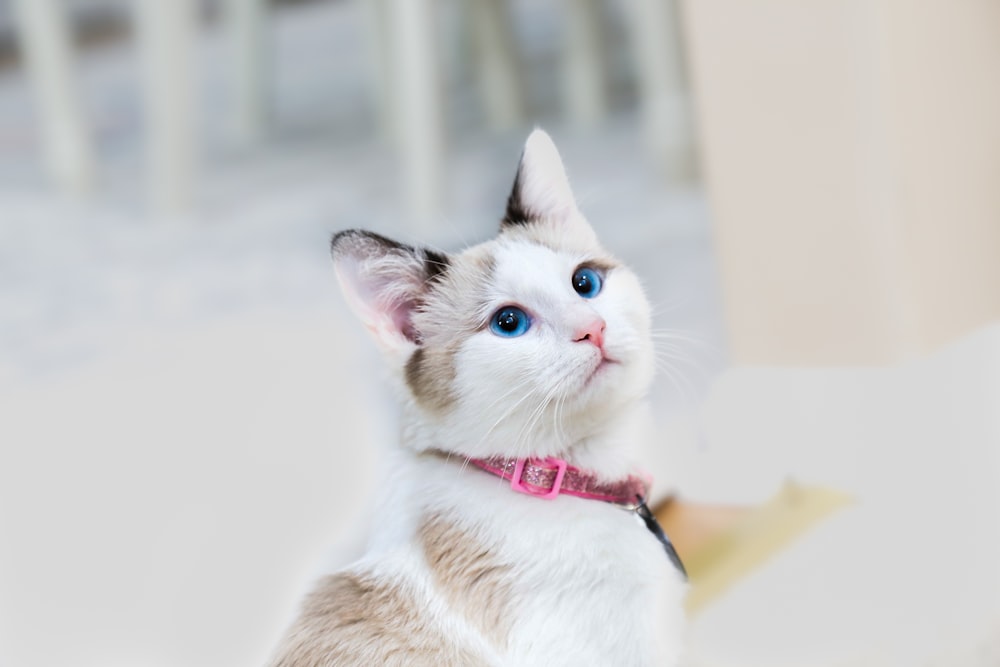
[508,320]
[586,282]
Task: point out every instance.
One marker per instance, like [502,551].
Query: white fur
[543,180]
[592,585]
[501,382]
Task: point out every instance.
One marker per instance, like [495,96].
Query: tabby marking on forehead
[470,576]
[353,619]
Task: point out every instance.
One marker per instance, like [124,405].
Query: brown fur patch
[356,620]
[449,313]
[604,265]
[469,576]
[429,374]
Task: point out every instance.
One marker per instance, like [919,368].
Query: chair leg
[500,84]
[419,102]
[380,52]
[664,103]
[249,64]
[166,40]
[45,38]
[584,73]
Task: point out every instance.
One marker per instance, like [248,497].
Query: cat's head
[529,344]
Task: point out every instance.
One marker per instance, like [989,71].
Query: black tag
[654,527]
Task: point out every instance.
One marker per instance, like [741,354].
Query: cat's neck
[607,447]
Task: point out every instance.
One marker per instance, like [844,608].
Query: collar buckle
[517,484]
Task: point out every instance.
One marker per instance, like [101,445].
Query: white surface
[907,573]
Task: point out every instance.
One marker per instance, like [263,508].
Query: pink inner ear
[383,299]
[401,318]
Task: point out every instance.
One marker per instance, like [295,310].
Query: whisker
[507,413]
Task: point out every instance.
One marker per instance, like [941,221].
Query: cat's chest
[552,540]
[569,580]
[586,588]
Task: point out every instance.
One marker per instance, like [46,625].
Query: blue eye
[509,321]
[587,282]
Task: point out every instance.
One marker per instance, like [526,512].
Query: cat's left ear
[385,282]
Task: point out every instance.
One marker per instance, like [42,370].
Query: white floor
[190,417]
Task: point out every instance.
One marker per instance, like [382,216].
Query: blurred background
[191,422]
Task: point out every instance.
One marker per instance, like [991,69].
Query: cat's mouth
[602,365]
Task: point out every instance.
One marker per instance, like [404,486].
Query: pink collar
[549,477]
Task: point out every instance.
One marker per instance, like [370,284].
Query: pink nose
[592,332]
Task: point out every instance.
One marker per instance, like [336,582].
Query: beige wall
[852,155]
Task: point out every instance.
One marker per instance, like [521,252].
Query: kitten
[509,532]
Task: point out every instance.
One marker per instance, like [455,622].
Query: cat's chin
[603,368]
[607,375]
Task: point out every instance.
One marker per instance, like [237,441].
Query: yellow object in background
[721,545]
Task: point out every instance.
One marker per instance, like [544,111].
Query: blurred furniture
[166,40]
[852,153]
[584,71]
[417,117]
[244,23]
[403,44]
[664,101]
[404,47]
[657,55]
[47,49]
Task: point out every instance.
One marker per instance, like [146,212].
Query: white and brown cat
[509,534]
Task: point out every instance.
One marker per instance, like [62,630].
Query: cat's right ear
[541,189]
[385,282]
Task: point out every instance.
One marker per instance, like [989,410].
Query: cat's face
[523,345]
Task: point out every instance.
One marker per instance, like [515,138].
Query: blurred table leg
[166,40]
[664,104]
[248,67]
[379,49]
[46,43]
[500,83]
[584,75]
[419,103]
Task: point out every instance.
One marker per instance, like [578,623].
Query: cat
[508,530]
